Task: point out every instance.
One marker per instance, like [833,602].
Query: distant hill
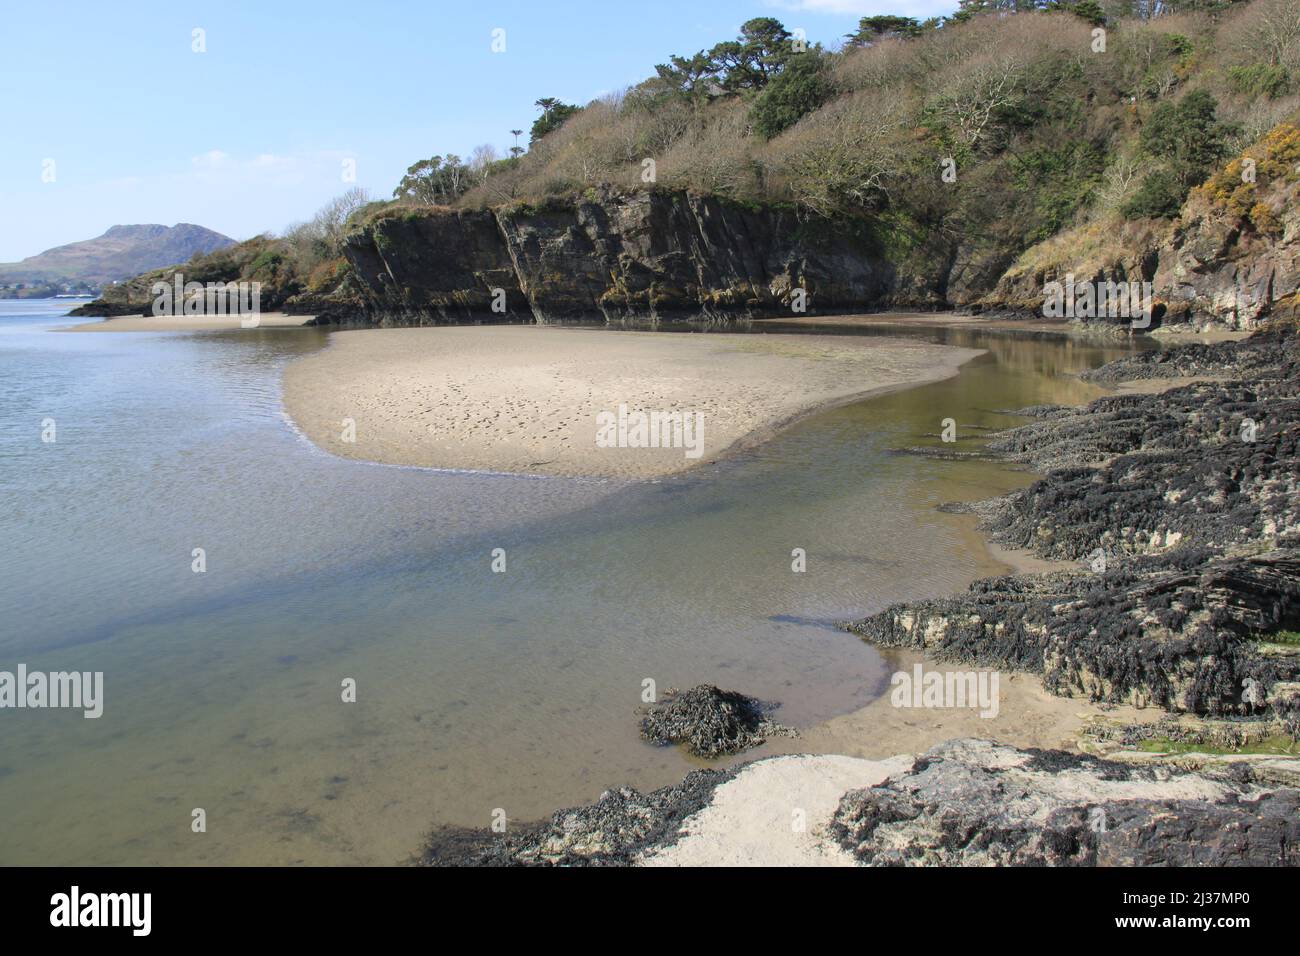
[120,253]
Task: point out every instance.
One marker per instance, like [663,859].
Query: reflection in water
[475,690]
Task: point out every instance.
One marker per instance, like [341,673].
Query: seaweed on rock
[711,722]
[1192,497]
[974,803]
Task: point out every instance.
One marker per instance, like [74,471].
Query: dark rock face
[710,722]
[1168,470]
[608,832]
[1265,354]
[1170,632]
[644,255]
[1192,533]
[443,265]
[974,803]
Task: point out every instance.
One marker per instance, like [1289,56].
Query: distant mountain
[120,253]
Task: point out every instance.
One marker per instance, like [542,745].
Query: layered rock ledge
[963,803]
[973,803]
[1183,511]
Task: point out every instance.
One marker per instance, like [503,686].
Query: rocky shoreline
[1183,513]
[963,803]
[973,803]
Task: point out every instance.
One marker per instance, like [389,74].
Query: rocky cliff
[674,254]
[1231,259]
[642,255]
[1234,265]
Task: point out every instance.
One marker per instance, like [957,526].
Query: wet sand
[528,399]
[189,323]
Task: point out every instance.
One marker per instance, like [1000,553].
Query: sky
[112,115]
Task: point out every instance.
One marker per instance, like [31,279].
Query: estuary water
[475,691]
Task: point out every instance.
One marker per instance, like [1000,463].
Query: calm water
[475,690]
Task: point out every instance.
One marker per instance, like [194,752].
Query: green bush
[1159,197]
[1186,139]
[795,92]
[1260,79]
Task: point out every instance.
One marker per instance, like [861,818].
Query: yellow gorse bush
[1276,159]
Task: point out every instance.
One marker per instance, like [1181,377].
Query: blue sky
[251,135]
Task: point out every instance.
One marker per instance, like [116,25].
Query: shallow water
[475,690]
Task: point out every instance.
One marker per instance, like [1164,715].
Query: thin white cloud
[212,159]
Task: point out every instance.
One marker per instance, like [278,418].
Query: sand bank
[188,323]
[528,399]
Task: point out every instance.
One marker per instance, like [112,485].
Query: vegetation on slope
[972,140]
[975,137]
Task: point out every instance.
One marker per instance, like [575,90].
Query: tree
[969,9]
[1089,10]
[482,160]
[1187,135]
[690,77]
[755,57]
[435,181]
[748,62]
[1160,196]
[554,113]
[1187,139]
[873,29]
[795,92]
[334,215]
[1273,32]
[317,243]
[839,160]
[972,104]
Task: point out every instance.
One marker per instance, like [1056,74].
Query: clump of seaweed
[711,722]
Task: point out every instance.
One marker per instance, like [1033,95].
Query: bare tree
[1121,178]
[480,159]
[986,87]
[1272,29]
[842,157]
